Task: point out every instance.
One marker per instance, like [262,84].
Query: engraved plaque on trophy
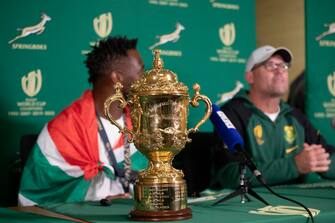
[159,110]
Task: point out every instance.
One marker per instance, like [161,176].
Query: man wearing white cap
[283,144]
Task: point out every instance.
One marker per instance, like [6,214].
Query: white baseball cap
[263,53]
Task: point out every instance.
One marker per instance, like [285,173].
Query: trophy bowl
[159,110]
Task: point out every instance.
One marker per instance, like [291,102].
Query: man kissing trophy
[159,110]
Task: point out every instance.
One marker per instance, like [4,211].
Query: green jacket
[271,145]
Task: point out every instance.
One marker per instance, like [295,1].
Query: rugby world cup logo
[103,24]
[331,83]
[227,34]
[32,83]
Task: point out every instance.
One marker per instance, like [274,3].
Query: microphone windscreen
[226,129]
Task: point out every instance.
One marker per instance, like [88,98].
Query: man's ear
[249,76]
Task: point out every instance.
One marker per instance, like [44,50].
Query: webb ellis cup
[159,109]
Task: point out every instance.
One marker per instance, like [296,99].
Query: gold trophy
[159,110]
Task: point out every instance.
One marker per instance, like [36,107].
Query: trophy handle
[194,102]
[118,97]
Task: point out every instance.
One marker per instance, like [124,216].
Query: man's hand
[313,158]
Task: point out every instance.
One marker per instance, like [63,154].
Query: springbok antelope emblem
[228,95]
[171,37]
[331,30]
[38,28]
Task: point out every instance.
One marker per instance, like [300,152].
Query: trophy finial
[158,62]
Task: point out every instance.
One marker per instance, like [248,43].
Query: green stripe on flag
[138,161]
[45,183]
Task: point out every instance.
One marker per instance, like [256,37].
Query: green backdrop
[42,71]
[320,65]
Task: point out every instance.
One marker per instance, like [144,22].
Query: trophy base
[166,215]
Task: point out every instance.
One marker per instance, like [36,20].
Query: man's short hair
[104,55]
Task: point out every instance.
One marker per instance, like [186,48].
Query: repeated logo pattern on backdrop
[170,3]
[37,29]
[320,65]
[331,83]
[43,71]
[167,39]
[31,106]
[103,24]
[228,53]
[227,34]
[323,39]
[171,37]
[32,83]
[224,5]
[230,94]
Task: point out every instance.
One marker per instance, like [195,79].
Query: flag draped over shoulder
[65,157]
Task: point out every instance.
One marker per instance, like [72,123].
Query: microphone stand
[243,189]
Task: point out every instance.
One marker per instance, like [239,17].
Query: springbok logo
[227,34]
[289,134]
[174,36]
[331,30]
[103,24]
[228,95]
[38,28]
[331,83]
[258,133]
[32,83]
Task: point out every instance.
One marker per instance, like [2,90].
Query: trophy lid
[158,81]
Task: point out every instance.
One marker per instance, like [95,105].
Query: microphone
[231,137]
[226,129]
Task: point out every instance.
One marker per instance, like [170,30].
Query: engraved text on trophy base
[160,197]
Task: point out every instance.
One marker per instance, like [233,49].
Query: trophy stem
[160,192]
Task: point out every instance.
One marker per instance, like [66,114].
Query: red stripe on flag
[74,132]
